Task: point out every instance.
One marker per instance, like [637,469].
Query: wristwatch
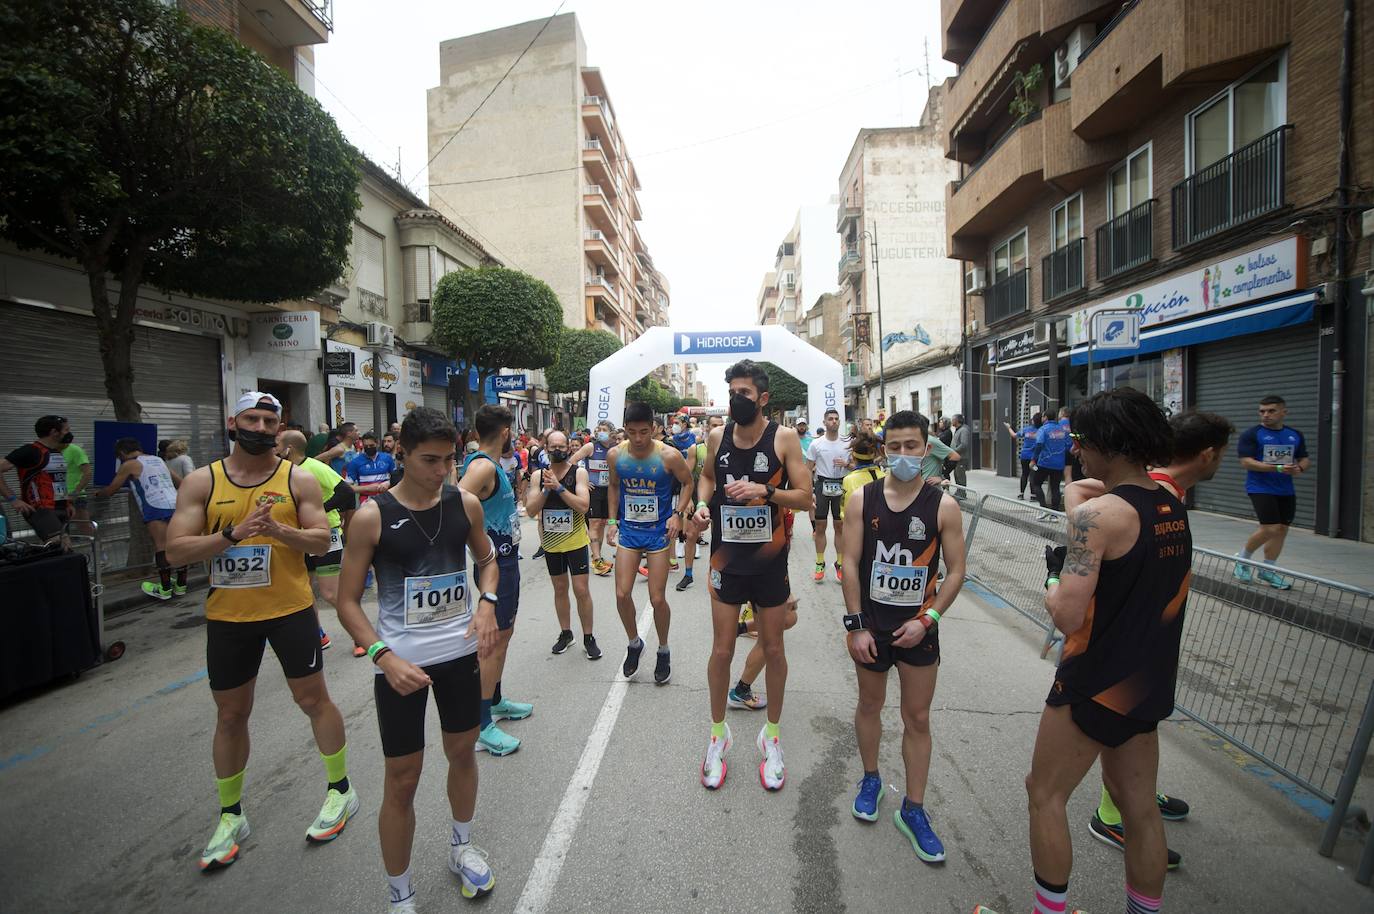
[488,597]
[772,490]
[228,533]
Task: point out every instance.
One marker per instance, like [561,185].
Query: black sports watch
[772,490]
[488,597]
[228,533]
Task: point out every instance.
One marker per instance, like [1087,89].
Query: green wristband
[612,521]
[933,614]
[1052,579]
[372,651]
[702,504]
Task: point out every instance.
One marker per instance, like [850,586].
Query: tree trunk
[116,335]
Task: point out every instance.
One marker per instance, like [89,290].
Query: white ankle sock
[462,832]
[401,889]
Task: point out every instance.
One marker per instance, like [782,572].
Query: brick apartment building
[1180,158]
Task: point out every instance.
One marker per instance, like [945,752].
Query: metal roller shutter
[436,398]
[358,409]
[1232,376]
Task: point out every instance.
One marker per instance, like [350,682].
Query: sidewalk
[1347,561]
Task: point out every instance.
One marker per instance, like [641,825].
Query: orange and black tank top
[901,556]
[1125,654]
[259,578]
[748,537]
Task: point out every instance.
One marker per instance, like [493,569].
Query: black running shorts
[828,505]
[233,650]
[599,508]
[763,590]
[923,654]
[1274,509]
[1107,727]
[457,694]
[574,562]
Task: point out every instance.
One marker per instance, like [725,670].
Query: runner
[339,448]
[894,607]
[685,441]
[596,453]
[370,472]
[42,473]
[427,635]
[864,451]
[254,519]
[1120,594]
[742,694]
[691,535]
[79,472]
[156,495]
[1199,446]
[560,502]
[483,477]
[827,458]
[763,472]
[643,525]
[1272,454]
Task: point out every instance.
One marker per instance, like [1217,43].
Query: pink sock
[1049,899]
[1136,903]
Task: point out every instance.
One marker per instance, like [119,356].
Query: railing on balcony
[1127,241]
[1244,185]
[1106,29]
[850,258]
[592,144]
[595,235]
[594,190]
[1062,271]
[1008,296]
[852,376]
[851,207]
[992,150]
[322,10]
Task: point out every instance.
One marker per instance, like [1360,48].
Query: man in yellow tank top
[254,517]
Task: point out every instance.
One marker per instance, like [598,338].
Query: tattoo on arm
[1081,560]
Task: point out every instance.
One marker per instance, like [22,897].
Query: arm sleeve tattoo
[1081,560]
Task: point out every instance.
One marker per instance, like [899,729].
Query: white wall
[945,377]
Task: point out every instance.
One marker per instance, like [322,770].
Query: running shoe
[869,798]
[913,822]
[631,664]
[156,592]
[179,589]
[713,767]
[590,647]
[819,575]
[338,808]
[1115,836]
[1277,581]
[602,567]
[644,570]
[496,741]
[663,668]
[1244,573]
[839,574]
[749,700]
[324,641]
[1171,809]
[565,639]
[980,909]
[505,709]
[672,565]
[684,583]
[469,864]
[359,651]
[772,771]
[538,553]
[223,848]
[403,907]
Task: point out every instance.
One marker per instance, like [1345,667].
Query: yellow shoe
[223,848]
[338,808]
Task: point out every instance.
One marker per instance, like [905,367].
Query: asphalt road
[107,792]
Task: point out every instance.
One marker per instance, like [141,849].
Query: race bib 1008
[746,523]
[558,520]
[897,585]
[436,598]
[641,509]
[242,566]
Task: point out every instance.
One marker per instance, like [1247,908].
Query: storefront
[351,395]
[1013,387]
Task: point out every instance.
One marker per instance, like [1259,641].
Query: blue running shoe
[1244,574]
[869,798]
[1274,580]
[913,822]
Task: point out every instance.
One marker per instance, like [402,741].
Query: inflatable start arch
[822,375]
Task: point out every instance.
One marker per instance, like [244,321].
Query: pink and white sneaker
[772,772]
[713,767]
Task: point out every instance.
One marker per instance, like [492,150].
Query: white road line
[543,878]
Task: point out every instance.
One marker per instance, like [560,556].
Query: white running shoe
[470,865]
[713,767]
[403,907]
[772,772]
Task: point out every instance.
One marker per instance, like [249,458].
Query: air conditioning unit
[1042,332]
[382,336]
[1067,54]
[972,328]
[975,280]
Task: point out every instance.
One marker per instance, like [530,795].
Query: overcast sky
[771,93]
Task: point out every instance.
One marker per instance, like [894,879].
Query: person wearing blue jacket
[1047,459]
[1026,439]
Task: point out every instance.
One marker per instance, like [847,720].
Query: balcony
[962,24]
[1061,272]
[596,116]
[1008,297]
[1153,51]
[1071,161]
[979,94]
[851,208]
[1126,242]
[851,264]
[1005,181]
[600,250]
[1244,185]
[853,377]
[600,288]
[292,23]
[597,165]
[599,209]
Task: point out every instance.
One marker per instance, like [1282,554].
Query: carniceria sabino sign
[284,331]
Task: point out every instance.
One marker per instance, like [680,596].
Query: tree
[785,391]
[578,352]
[690,401]
[150,150]
[648,390]
[496,318]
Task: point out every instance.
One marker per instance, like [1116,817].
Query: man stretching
[559,498]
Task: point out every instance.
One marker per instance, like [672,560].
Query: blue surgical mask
[904,466]
[603,437]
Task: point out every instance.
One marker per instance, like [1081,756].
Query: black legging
[1055,477]
[1025,474]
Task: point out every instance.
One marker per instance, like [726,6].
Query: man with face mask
[596,453]
[754,469]
[254,518]
[370,472]
[899,530]
[559,499]
[42,471]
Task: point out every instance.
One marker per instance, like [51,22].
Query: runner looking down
[559,498]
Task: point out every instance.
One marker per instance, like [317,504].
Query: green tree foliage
[785,391]
[578,352]
[150,150]
[496,318]
[690,401]
[647,390]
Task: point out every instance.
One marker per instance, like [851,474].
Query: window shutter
[370,259]
[419,286]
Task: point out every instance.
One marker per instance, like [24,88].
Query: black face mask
[255,443]
[742,409]
[558,456]
[370,451]
[68,438]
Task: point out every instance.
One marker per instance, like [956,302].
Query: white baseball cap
[256,399]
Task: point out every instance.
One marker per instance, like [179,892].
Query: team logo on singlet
[270,498]
[917,530]
[760,463]
[1166,509]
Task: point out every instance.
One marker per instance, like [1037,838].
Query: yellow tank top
[259,578]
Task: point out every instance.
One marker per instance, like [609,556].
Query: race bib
[558,520]
[1278,454]
[437,598]
[641,509]
[746,523]
[600,473]
[242,566]
[335,539]
[59,487]
[515,529]
[832,488]
[897,585]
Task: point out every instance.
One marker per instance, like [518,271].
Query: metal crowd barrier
[1285,675]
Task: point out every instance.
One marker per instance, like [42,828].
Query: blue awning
[1289,311]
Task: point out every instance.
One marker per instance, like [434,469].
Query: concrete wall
[945,377]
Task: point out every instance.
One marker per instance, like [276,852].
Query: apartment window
[915,401]
[789,278]
[1242,113]
[1062,271]
[816,326]
[936,403]
[1066,222]
[1129,184]
[1009,256]
[369,260]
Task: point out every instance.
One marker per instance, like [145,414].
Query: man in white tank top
[156,494]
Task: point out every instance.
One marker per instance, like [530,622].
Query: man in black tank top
[1120,597]
[754,468]
[899,529]
[434,622]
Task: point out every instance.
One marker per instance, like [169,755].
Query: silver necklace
[438,530]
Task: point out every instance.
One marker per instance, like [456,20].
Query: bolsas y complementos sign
[398,375]
[284,331]
[728,341]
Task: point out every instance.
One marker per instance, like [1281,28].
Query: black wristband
[381,652]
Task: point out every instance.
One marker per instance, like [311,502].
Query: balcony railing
[1244,185]
[852,376]
[592,144]
[849,259]
[1062,271]
[1106,29]
[1008,296]
[594,190]
[594,235]
[1127,241]
[992,150]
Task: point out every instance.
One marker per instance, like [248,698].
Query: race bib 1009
[436,598]
[897,585]
[242,566]
[746,523]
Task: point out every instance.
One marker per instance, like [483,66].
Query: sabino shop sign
[284,331]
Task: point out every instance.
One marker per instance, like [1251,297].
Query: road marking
[543,878]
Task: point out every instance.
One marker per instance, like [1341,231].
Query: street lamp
[872,235]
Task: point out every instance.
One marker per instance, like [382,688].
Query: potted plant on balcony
[1024,85]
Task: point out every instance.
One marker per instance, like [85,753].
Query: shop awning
[1288,311]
